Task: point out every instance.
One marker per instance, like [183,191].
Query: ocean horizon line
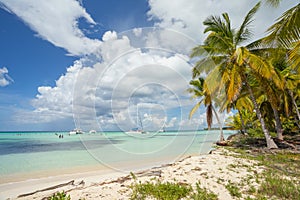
[63,131]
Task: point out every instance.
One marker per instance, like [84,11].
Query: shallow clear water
[23,152]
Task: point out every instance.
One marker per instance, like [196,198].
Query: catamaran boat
[162,130]
[137,130]
[92,131]
[76,131]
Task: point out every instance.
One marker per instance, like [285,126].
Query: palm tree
[242,104]
[235,121]
[199,90]
[292,81]
[285,32]
[233,62]
[270,93]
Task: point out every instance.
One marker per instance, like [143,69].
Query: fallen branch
[223,143]
[46,189]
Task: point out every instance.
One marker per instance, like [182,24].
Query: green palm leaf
[194,109]
[235,84]
[244,32]
[294,57]
[273,3]
[286,30]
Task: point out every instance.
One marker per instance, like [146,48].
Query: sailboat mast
[139,119]
[141,122]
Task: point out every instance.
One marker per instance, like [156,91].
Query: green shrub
[161,191]
[282,188]
[170,191]
[233,190]
[203,194]
[60,196]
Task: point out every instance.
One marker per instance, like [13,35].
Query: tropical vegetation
[259,81]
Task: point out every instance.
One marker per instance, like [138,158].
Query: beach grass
[274,185]
[159,190]
[280,178]
[60,196]
[170,191]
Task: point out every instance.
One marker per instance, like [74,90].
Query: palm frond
[258,65]
[258,44]
[238,56]
[220,43]
[235,84]
[194,109]
[244,103]
[244,32]
[204,65]
[196,93]
[278,80]
[286,29]
[274,3]
[227,25]
[221,34]
[294,57]
[286,105]
[268,91]
[198,51]
[213,81]
[216,25]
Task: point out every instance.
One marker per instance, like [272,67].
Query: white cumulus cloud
[108,93]
[5,79]
[55,21]
[187,16]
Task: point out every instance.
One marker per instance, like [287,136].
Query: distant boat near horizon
[138,121]
[137,131]
[162,130]
[92,131]
[76,132]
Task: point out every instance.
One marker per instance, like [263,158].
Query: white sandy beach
[212,171]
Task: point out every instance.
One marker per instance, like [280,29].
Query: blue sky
[68,63]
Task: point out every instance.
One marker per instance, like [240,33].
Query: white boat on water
[161,130]
[138,131]
[76,131]
[138,121]
[92,131]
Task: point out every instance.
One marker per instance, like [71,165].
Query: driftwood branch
[46,189]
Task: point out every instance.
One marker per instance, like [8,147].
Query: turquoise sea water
[35,152]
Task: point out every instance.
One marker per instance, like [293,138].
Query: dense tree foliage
[259,80]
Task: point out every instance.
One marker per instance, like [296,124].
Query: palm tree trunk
[295,104]
[220,125]
[243,123]
[278,124]
[270,142]
[296,121]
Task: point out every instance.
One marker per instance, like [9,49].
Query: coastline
[12,186]
[45,155]
[208,169]
[124,166]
